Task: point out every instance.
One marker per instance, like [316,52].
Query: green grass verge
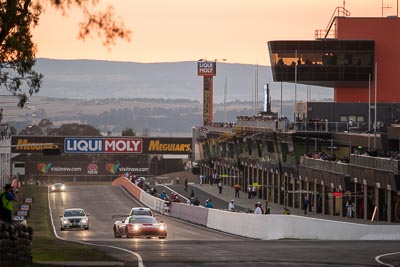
[45,246]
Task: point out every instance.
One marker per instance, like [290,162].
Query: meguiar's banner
[110,145]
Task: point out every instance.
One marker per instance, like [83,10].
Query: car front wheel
[127,233]
[116,234]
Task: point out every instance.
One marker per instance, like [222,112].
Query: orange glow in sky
[188,30]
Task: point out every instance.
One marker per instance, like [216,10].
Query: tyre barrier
[15,244]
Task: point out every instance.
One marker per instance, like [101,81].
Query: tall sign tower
[207,69]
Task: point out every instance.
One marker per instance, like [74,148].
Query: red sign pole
[207,100]
[207,69]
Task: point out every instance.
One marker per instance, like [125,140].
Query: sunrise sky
[188,30]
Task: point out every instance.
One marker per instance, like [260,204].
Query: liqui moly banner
[206,68]
[110,145]
[103,145]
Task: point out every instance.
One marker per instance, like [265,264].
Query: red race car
[140,226]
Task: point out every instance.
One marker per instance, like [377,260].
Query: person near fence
[237,189]
[8,197]
[231,205]
[349,206]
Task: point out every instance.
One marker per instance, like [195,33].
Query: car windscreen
[73,213]
[142,220]
[141,212]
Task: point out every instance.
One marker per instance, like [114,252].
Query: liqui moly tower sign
[207,69]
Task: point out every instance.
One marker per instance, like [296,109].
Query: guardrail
[326,165]
[385,164]
[284,126]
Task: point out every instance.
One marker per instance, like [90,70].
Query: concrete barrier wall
[152,202]
[128,185]
[194,214]
[297,227]
[266,227]
[148,200]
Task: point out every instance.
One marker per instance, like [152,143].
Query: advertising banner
[103,145]
[207,100]
[87,168]
[35,144]
[206,68]
[167,145]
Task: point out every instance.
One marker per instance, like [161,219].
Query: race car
[75,218]
[140,226]
[57,187]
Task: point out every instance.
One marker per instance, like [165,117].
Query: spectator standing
[305,204]
[237,189]
[220,187]
[196,202]
[258,210]
[350,124]
[163,195]
[260,205]
[267,209]
[209,204]
[192,193]
[177,180]
[190,201]
[231,205]
[186,184]
[349,206]
[286,211]
[249,187]
[8,197]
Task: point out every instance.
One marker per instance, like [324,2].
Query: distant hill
[162,98]
[94,79]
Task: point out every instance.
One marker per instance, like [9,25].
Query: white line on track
[169,188]
[139,258]
[377,258]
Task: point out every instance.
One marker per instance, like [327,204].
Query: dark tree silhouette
[17,48]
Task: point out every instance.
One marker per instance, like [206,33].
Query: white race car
[57,187]
[75,218]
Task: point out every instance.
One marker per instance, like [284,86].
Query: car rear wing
[120,216]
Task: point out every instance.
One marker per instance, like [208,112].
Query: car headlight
[62,187]
[65,221]
[84,221]
[162,227]
[53,188]
[136,227]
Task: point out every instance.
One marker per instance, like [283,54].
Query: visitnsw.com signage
[87,168]
[110,145]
